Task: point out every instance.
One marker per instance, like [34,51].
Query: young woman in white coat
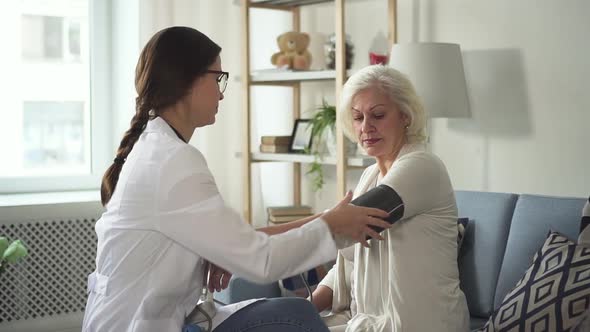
[165,219]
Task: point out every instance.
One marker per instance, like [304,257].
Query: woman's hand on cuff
[352,222]
[218,278]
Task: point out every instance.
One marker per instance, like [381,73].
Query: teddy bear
[293,51]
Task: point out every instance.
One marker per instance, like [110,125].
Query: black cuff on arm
[385,198]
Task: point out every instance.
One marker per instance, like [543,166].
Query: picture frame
[301,136]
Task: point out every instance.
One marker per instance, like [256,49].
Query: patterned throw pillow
[553,294]
[584,325]
[584,237]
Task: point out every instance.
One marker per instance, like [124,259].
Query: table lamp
[436,70]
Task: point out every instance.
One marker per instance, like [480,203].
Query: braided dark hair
[167,67]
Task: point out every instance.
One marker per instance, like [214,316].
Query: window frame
[100,115]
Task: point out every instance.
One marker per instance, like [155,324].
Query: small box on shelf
[275,144]
[270,148]
[275,140]
[289,210]
[285,219]
[283,214]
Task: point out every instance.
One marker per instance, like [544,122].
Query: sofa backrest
[483,245]
[534,216]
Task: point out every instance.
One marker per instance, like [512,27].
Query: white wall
[527,69]
[526,66]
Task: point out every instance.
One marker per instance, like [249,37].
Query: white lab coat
[164,219]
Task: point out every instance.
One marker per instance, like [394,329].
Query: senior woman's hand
[352,222]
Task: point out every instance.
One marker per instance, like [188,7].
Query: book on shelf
[267,148]
[289,210]
[284,219]
[275,140]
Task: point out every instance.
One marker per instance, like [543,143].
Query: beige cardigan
[409,281]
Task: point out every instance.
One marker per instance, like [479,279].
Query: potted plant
[10,253]
[323,129]
[323,121]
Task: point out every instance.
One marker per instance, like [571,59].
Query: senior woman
[409,281]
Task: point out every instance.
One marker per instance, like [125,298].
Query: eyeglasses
[221,79]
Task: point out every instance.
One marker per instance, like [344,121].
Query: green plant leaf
[3,246]
[15,251]
[325,117]
[316,172]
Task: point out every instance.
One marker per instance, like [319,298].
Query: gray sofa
[504,232]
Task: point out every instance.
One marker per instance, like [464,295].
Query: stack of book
[283,214]
[275,144]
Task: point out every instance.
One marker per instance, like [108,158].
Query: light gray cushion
[483,245]
[241,289]
[534,216]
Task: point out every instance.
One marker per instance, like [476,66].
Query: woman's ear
[406,120]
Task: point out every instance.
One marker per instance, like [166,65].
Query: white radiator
[46,291]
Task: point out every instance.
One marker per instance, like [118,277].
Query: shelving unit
[265,77]
[288,2]
[352,161]
[294,79]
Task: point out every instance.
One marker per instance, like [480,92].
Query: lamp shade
[436,70]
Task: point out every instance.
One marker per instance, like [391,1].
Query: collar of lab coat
[158,125]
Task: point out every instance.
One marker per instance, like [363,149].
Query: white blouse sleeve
[192,213]
[328,280]
[421,180]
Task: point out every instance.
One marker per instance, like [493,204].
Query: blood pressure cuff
[385,198]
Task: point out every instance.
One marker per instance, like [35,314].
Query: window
[46,38]
[53,137]
[49,132]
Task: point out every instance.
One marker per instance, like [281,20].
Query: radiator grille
[51,280]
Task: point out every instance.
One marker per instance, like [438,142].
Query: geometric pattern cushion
[584,325]
[584,237]
[553,294]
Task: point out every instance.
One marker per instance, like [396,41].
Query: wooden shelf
[292,79]
[291,76]
[285,3]
[278,76]
[355,161]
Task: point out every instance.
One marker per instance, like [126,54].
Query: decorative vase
[330,52]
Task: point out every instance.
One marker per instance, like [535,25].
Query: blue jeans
[279,314]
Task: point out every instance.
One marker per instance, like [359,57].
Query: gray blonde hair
[397,87]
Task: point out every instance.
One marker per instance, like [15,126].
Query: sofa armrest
[241,289]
